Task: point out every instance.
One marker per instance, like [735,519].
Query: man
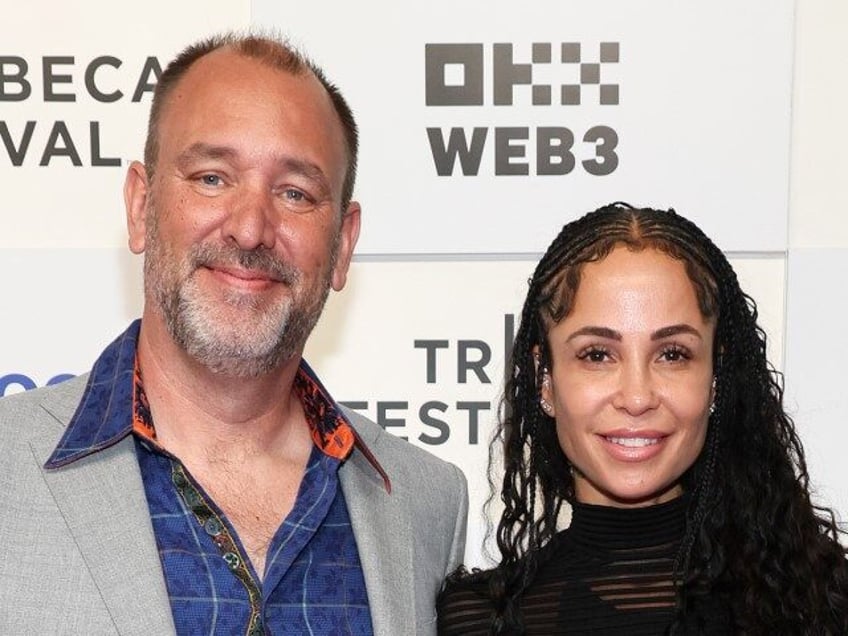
[200,479]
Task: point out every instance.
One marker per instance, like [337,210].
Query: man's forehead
[227,64]
[227,79]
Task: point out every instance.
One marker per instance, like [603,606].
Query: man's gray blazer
[79,555]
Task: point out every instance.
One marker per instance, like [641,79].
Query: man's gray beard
[248,348]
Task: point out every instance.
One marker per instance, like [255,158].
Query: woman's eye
[594,355]
[674,354]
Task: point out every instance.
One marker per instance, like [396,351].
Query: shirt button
[232,560]
[257,629]
[192,499]
[212,527]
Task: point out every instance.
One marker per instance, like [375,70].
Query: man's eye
[210,179]
[294,195]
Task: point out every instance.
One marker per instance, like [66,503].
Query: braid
[752,535]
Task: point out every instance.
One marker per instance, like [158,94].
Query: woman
[641,396]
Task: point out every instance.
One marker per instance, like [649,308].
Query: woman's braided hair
[753,536]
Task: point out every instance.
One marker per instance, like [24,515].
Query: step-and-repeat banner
[485,123]
[485,126]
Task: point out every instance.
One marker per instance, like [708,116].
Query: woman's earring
[546,384]
[712,397]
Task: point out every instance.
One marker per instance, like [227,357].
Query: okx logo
[557,78]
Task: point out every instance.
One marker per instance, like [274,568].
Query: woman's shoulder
[464,605]
[463,579]
[481,580]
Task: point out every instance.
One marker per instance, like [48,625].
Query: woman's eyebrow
[674,330]
[602,332]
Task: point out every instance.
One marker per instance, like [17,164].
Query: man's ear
[349,234]
[136,191]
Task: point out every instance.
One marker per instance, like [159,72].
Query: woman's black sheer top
[608,573]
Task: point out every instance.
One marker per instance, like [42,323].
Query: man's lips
[244,274]
[241,277]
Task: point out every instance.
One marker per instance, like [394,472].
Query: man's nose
[252,219]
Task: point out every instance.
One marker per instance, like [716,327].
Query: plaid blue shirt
[313,581]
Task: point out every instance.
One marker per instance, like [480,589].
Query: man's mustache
[261,261]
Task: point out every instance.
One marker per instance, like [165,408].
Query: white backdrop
[710,119]
[688,108]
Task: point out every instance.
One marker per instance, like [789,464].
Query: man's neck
[200,413]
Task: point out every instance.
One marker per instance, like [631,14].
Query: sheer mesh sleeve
[464,608]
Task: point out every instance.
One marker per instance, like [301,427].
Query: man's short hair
[276,53]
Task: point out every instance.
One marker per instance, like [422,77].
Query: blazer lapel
[102,500]
[383,537]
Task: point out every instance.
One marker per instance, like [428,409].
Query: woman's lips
[633,446]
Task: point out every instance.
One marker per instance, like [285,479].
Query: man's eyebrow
[602,332]
[202,150]
[674,330]
[307,169]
